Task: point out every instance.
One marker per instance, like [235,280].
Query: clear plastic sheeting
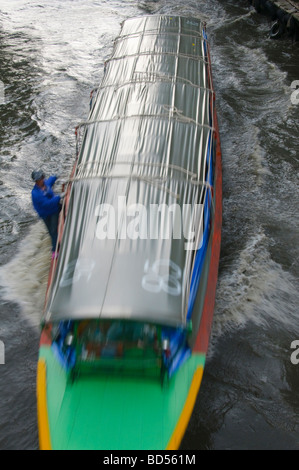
[140,190]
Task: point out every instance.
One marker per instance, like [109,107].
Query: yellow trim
[181,426]
[42,410]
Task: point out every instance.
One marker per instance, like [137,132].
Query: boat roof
[144,154]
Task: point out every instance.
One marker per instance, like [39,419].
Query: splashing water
[256,289]
[24,278]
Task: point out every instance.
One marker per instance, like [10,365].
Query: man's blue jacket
[45,202]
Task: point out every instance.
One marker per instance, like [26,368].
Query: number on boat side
[75,270]
[154,280]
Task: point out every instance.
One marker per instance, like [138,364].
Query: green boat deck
[105,411]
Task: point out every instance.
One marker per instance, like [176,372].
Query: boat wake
[24,279]
[254,289]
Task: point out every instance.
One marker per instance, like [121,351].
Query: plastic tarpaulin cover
[139,180]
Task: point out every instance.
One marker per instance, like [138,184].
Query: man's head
[38,176]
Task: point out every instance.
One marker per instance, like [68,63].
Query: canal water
[52,55]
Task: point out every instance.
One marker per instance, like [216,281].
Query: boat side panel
[181,426]
[42,407]
[202,340]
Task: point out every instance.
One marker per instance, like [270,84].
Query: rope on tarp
[173,114]
[153,78]
[149,180]
[193,176]
[131,176]
[156,32]
[153,164]
[202,23]
[177,115]
[198,58]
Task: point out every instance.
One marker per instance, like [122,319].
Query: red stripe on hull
[46,338]
[203,336]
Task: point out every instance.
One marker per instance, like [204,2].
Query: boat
[130,299]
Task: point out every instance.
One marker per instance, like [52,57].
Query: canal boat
[131,293]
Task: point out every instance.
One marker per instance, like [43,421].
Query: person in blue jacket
[46,203]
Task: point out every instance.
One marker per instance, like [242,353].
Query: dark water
[51,57]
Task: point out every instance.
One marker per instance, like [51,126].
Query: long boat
[130,300]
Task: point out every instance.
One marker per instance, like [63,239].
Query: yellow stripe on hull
[42,409]
[182,424]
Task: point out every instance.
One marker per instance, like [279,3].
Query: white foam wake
[257,289]
[24,278]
